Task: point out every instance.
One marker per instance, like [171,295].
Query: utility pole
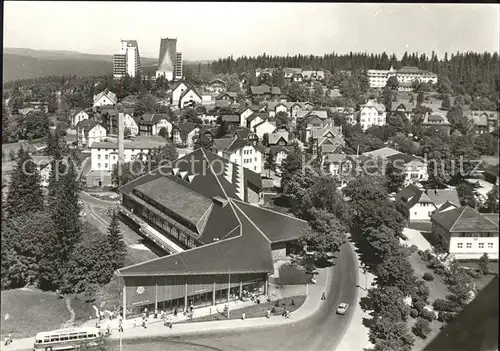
[228,293]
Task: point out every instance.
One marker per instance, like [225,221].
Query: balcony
[151,233]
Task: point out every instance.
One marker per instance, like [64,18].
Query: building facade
[372,114]
[167,59]
[178,66]
[128,60]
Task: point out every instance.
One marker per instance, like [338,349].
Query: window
[469,245]
[105,165]
[490,245]
[481,245]
[98,157]
[460,245]
[114,157]
[105,157]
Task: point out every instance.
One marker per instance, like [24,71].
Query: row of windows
[249,160]
[472,235]
[469,245]
[247,152]
[105,165]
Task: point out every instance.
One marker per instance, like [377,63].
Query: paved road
[320,332]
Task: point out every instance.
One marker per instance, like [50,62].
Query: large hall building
[204,210]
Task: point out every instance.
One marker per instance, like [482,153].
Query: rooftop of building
[139,142]
[464,219]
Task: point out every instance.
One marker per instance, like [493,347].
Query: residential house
[216,85]
[333,164]
[189,98]
[484,121]
[419,204]
[327,139]
[88,132]
[289,72]
[281,152]
[264,127]
[76,116]
[104,156]
[244,113]
[239,151]
[105,97]
[274,108]
[297,78]
[232,119]
[263,71]
[465,233]
[348,112]
[437,121]
[245,134]
[265,92]
[256,118]
[227,95]
[382,153]
[402,107]
[309,75]
[208,132]
[152,123]
[306,125]
[183,133]
[278,137]
[178,91]
[372,114]
[414,167]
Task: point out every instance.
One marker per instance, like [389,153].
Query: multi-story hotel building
[167,60]
[128,60]
[178,66]
[406,76]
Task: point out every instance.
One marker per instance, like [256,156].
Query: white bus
[67,339]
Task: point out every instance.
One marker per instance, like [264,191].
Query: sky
[207,31]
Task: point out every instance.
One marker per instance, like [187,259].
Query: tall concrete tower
[167,58]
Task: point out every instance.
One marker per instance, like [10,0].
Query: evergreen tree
[25,193]
[484,261]
[65,209]
[118,249]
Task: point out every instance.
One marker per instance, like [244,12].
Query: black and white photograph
[250,176]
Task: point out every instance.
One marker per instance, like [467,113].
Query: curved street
[322,331]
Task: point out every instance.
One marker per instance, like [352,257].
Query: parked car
[342,309]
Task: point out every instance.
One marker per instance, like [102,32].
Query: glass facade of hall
[169,293]
[159,220]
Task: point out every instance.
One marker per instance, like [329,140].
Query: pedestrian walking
[191,307]
[156,314]
[323,296]
[243,315]
[268,314]
[175,312]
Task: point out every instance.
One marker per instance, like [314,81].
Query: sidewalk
[156,328]
[356,335]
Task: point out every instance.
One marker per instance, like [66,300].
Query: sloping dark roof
[262,115]
[87,125]
[243,133]
[217,80]
[277,227]
[231,118]
[221,144]
[237,144]
[253,178]
[184,202]
[492,170]
[405,158]
[464,219]
[151,118]
[409,196]
[231,94]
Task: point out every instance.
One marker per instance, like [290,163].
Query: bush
[422,328]
[428,315]
[445,305]
[427,276]
[473,273]
[413,313]
[419,305]
[445,317]
[440,270]
[413,248]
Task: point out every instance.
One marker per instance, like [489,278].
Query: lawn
[253,311]
[293,275]
[83,310]
[31,311]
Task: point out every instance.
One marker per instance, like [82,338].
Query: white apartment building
[241,152]
[104,155]
[406,76]
[89,132]
[372,114]
[105,98]
[127,60]
[466,233]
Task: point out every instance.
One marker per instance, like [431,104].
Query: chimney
[120,133]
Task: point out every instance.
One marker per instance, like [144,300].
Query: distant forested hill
[21,63]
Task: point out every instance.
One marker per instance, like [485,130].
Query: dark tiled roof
[231,118]
[402,158]
[222,143]
[409,196]
[231,94]
[276,227]
[254,115]
[152,118]
[243,133]
[464,219]
[440,196]
[237,144]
